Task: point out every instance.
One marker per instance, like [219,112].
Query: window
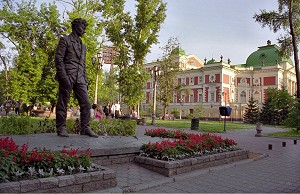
[243,97]
[191,81]
[212,96]
[200,98]
[200,79]
[192,98]
[212,78]
[183,81]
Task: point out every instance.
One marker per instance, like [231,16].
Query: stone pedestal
[258,130]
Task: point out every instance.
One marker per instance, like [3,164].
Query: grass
[290,133]
[206,126]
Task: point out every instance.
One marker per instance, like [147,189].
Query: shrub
[28,125]
[16,125]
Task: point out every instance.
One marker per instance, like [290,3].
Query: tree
[287,18]
[293,119]
[169,68]
[88,10]
[33,33]
[252,112]
[132,37]
[275,108]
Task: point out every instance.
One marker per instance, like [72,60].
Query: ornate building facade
[212,83]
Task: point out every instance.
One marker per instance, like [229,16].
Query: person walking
[107,110]
[70,59]
[17,107]
[8,105]
[117,109]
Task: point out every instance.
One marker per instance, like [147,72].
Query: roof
[179,51]
[267,55]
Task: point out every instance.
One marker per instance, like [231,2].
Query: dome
[212,61]
[179,51]
[267,55]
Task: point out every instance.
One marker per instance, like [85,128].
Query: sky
[211,28]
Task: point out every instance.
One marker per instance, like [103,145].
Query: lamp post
[181,103]
[99,67]
[154,73]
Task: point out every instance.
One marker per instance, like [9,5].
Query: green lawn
[290,133]
[207,126]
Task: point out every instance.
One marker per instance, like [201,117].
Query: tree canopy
[287,18]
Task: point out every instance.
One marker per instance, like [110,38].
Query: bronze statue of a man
[71,74]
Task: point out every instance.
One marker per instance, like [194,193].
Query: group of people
[11,105]
[108,111]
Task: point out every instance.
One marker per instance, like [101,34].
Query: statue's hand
[65,83]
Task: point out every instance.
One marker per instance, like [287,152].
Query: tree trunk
[295,48]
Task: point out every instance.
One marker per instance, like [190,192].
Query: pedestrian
[98,113]
[8,105]
[93,110]
[106,110]
[117,109]
[70,60]
[113,110]
[17,107]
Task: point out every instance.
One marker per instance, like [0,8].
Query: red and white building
[215,83]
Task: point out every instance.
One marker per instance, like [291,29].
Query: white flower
[81,168]
[31,171]
[41,172]
[18,173]
[90,169]
[60,171]
[70,169]
[50,171]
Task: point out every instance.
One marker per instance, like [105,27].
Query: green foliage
[175,112]
[198,111]
[287,18]
[132,38]
[275,108]
[114,127]
[169,69]
[28,125]
[293,119]
[252,112]
[34,34]
[131,82]
[15,125]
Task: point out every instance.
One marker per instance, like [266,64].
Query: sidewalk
[278,170]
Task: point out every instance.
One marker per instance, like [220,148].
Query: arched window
[243,97]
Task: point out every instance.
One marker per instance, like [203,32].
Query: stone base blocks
[77,183]
[171,168]
[113,159]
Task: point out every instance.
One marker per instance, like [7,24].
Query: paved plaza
[275,171]
[271,171]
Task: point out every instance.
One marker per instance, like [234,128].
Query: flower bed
[187,153]
[188,145]
[40,170]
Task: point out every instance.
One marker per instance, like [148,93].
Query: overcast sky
[211,28]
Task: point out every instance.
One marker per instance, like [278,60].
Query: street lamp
[154,73]
[99,67]
[181,103]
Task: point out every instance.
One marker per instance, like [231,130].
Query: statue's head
[78,26]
